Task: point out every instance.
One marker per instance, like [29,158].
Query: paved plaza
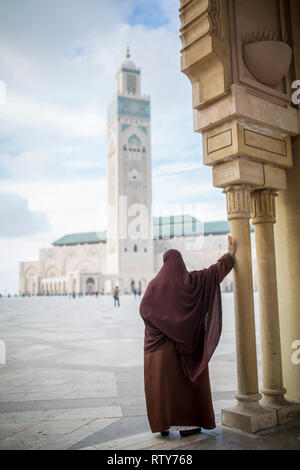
[74,379]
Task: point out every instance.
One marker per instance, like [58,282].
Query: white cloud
[71,206]
[20,111]
[29,165]
[176,167]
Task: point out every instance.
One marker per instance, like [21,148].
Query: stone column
[263,212]
[248,415]
[287,242]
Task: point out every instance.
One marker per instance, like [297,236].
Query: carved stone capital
[238,200]
[263,206]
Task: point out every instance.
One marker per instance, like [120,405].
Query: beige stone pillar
[263,212]
[287,240]
[248,415]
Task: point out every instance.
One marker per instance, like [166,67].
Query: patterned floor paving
[74,378]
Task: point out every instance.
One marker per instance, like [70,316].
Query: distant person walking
[116,296]
[182,313]
[134,292]
[139,292]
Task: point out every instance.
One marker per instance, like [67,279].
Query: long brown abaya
[183,320]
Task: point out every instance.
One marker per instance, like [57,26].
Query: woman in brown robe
[182,313]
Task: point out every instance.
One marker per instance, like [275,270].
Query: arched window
[131,83]
[135,248]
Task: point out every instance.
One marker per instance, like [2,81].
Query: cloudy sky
[58,61]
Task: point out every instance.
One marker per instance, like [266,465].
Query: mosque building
[86,263]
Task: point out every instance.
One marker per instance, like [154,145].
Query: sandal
[188,432]
[164,433]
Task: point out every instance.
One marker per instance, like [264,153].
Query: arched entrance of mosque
[90,286]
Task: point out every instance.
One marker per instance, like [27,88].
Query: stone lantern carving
[268,58]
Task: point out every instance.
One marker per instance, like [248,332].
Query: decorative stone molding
[244,171]
[281,119]
[272,392]
[275,178]
[263,206]
[248,398]
[240,137]
[205,49]
[214,18]
[238,201]
[238,171]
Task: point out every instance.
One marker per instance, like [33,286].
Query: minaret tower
[129,241]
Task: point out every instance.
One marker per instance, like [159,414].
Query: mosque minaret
[129,242]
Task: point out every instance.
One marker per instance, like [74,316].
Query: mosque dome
[128,64]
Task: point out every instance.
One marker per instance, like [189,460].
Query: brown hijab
[186,308]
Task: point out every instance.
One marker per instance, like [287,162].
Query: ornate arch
[30,271]
[52,271]
[134,138]
[85,266]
